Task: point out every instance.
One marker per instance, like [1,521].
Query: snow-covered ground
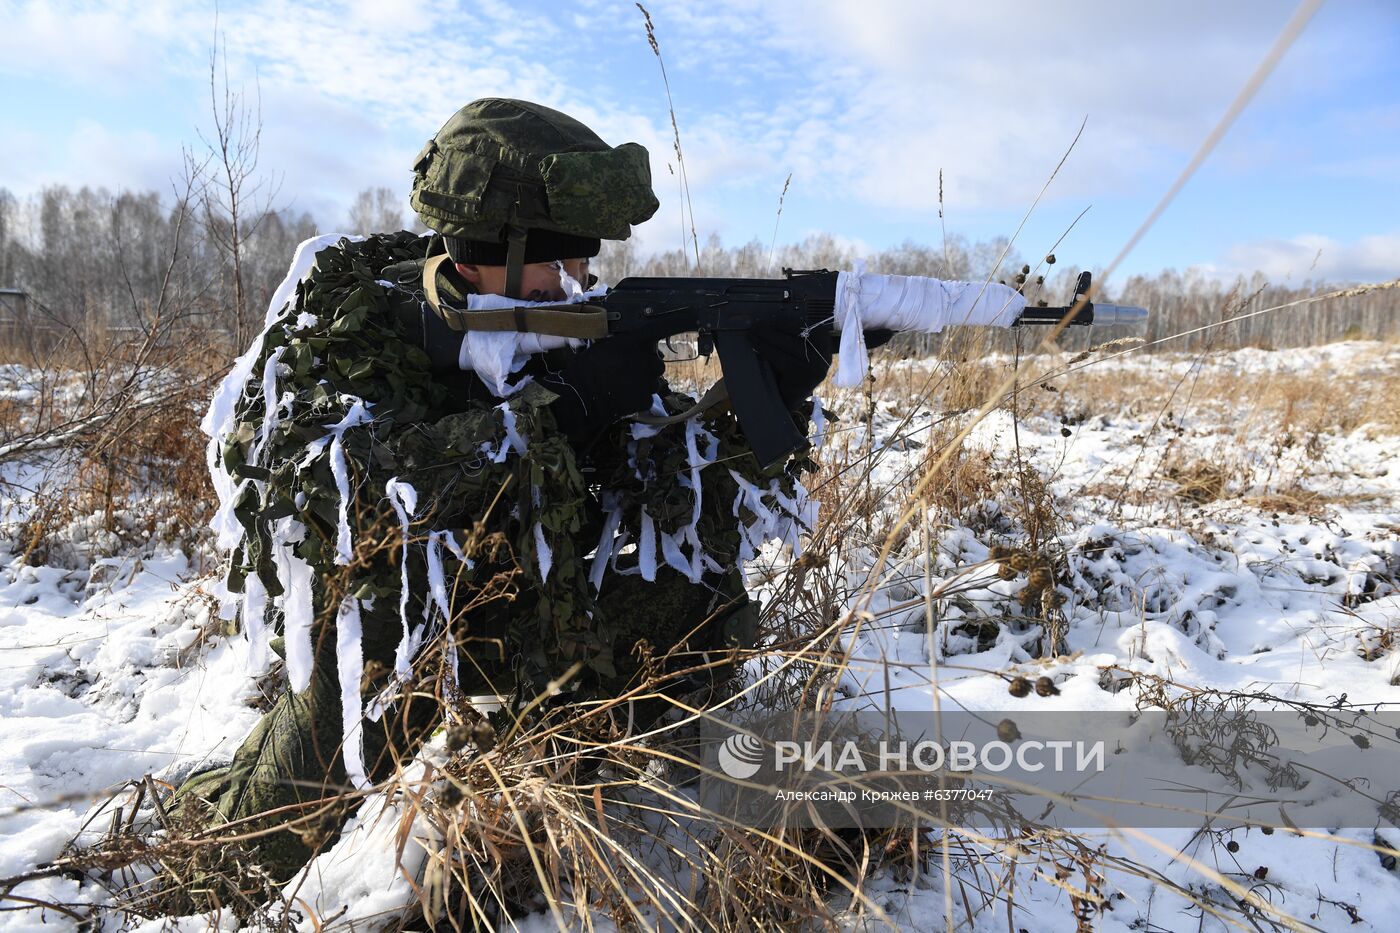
[1216,538]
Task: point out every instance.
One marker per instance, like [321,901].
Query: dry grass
[563,818]
[1295,406]
[1248,414]
[562,812]
[114,431]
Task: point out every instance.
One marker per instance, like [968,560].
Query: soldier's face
[539,281]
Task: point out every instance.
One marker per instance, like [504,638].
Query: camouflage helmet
[502,166]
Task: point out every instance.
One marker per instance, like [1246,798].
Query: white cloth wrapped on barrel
[867,301]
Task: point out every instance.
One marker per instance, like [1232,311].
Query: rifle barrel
[1107,314]
[1100,313]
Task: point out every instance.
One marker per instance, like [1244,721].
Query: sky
[864,104]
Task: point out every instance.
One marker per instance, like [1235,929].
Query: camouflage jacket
[365,466]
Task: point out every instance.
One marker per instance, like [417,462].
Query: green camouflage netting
[369,492]
[491,475]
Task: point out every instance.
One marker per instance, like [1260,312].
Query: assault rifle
[723,311]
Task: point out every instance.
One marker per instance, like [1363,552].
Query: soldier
[412,508]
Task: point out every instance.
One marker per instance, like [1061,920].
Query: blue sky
[862,102]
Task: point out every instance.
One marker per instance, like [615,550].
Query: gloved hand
[603,383]
[800,362]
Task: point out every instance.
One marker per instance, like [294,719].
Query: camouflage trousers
[291,770]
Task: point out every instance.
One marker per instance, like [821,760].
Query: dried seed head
[1007,731]
[1232,846]
[315,833]
[1025,270]
[484,736]
[1045,687]
[458,736]
[1019,687]
[1050,260]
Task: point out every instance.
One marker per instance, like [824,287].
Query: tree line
[91,260]
[1186,308]
[94,260]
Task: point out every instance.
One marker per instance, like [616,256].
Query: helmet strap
[515,259]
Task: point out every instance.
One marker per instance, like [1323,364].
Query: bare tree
[9,208]
[376,210]
[234,199]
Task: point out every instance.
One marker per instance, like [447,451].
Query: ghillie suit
[423,516]
[374,501]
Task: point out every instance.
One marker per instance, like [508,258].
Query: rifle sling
[586,322]
[714,395]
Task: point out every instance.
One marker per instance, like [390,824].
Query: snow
[362,880]
[100,685]
[116,663]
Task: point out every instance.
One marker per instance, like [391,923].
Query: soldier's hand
[604,382]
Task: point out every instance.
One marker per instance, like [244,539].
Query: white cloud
[128,158]
[889,93]
[348,93]
[1374,258]
[88,46]
[93,154]
[864,103]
